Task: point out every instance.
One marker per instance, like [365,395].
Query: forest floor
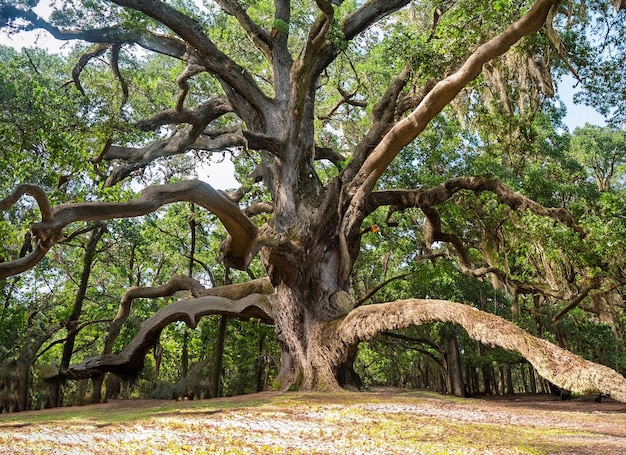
[382,421]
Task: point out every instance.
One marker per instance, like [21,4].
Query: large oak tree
[265,99]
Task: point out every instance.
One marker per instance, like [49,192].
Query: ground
[380,421]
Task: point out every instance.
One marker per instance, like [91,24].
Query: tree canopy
[404,172]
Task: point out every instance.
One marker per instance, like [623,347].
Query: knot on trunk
[339,304]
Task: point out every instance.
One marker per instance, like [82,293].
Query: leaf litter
[385,421]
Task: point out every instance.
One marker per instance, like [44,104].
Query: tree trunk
[455,370]
[96,384]
[522,369]
[23,384]
[532,379]
[508,380]
[72,323]
[259,371]
[218,357]
[184,361]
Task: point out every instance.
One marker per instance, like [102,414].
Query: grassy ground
[382,422]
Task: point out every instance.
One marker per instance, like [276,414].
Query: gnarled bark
[557,365]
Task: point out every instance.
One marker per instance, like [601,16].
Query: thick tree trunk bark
[311,352]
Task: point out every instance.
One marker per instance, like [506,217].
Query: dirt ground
[380,421]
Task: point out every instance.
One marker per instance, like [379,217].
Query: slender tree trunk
[218,357]
[259,373]
[72,324]
[455,370]
[185,355]
[508,380]
[532,379]
[524,378]
[23,382]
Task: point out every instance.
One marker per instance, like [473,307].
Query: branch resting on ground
[559,366]
[130,360]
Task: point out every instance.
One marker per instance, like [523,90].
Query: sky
[577,114]
[220,176]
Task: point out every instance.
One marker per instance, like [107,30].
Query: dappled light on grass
[349,423]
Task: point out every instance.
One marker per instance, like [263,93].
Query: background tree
[602,150]
[284,87]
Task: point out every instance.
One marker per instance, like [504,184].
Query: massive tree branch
[183,139]
[238,249]
[130,360]
[175,284]
[557,365]
[355,195]
[230,74]
[403,199]
[184,282]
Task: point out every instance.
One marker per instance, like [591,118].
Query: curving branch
[130,360]
[559,366]
[182,81]
[233,76]
[175,284]
[182,140]
[84,59]
[20,265]
[370,293]
[406,130]
[200,116]
[357,22]
[428,198]
[36,192]
[187,283]
[161,44]
[257,34]
[327,153]
[40,249]
[370,13]
[238,249]
[115,66]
